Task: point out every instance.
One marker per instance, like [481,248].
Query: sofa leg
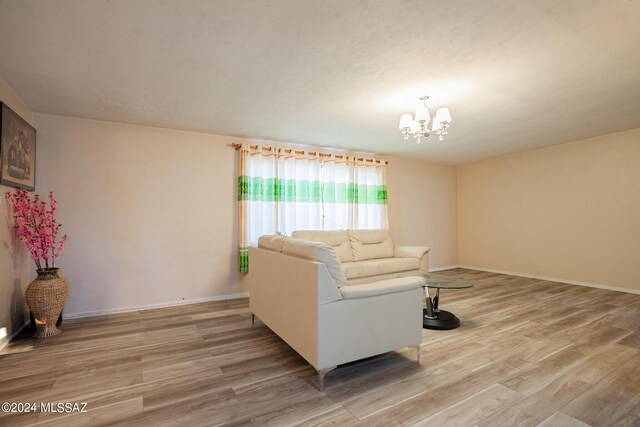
[253,319]
[321,374]
[417,347]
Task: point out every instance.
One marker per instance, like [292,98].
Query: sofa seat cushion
[381,287]
[315,251]
[370,244]
[337,239]
[376,267]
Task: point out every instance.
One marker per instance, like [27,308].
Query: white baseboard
[555,279]
[151,306]
[4,341]
[449,267]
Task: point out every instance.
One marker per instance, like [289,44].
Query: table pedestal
[434,318]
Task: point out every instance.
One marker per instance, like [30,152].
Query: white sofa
[299,290]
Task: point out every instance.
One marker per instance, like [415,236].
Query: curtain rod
[237,146]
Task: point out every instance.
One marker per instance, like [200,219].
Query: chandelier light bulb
[443,115]
[406,121]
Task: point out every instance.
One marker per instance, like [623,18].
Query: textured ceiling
[515,75]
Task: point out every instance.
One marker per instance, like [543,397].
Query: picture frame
[17,150]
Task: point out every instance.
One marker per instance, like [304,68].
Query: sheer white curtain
[354,194]
[281,190]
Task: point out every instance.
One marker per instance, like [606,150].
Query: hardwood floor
[528,352]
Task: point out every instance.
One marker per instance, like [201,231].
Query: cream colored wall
[570,212]
[150,213]
[14,259]
[423,208]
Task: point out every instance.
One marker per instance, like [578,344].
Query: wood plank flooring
[528,352]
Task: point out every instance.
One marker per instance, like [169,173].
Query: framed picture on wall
[17,150]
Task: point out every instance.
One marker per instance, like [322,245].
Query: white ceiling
[515,75]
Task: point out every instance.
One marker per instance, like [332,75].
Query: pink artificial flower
[36,226]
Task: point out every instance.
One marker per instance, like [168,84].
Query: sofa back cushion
[370,244]
[271,242]
[316,251]
[337,239]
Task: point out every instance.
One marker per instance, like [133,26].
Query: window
[281,190]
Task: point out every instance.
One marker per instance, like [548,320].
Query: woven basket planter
[45,297]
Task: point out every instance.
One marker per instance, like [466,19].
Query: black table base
[441,320]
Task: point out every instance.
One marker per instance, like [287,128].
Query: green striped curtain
[281,190]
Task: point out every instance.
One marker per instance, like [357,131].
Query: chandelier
[418,126]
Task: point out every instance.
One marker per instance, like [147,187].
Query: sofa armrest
[410,251]
[382,287]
